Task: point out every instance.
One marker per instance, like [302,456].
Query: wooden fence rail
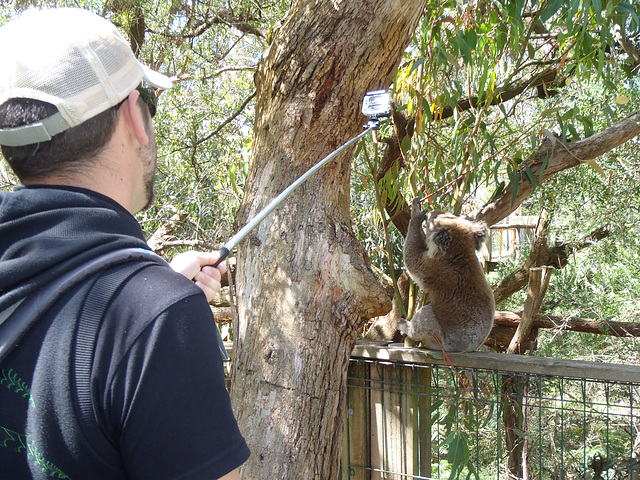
[395,404]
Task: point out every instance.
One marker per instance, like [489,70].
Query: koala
[443,263]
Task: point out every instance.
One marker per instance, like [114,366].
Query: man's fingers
[197,266]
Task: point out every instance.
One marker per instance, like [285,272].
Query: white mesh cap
[72,58]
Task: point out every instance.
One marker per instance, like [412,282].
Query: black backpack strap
[25,313]
[91,317]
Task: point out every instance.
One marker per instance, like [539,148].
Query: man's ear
[135,118]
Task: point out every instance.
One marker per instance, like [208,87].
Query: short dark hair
[66,152]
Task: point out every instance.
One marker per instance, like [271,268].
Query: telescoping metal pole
[376,105]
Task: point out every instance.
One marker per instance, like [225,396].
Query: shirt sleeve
[168,403]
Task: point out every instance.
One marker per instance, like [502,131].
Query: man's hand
[197,266]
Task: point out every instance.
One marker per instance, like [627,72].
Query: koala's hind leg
[422,327]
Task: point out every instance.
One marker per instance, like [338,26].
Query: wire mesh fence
[426,419]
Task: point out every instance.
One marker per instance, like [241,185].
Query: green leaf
[625,7]
[550,111]
[359,148]
[482,83]
[444,58]
[465,49]
[597,8]
[458,452]
[545,164]
[501,36]
[528,174]
[571,113]
[405,145]
[426,108]
[471,38]
[587,125]
[574,133]
[416,63]
[519,433]
[551,9]
[520,7]
[514,178]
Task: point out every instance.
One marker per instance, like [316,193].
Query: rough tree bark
[304,287]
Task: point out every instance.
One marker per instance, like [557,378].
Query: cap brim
[157,79]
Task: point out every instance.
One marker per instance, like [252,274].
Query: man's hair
[67,152]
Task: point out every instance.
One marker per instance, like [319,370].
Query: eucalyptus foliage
[483,86]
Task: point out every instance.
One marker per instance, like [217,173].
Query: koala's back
[443,262]
[458,289]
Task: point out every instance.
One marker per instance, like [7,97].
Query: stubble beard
[149,156]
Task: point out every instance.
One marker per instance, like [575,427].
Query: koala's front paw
[417,215]
[415,207]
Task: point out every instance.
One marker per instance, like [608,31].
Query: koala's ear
[480,231]
[442,238]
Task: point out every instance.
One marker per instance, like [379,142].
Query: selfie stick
[376,105]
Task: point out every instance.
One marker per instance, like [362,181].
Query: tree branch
[547,78]
[231,117]
[543,255]
[217,73]
[229,18]
[628,46]
[396,209]
[575,324]
[158,239]
[559,156]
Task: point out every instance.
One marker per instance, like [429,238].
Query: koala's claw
[417,214]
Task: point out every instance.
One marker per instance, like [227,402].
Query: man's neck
[107,185]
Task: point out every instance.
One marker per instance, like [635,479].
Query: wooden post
[356,457]
[538,282]
[400,425]
[388,452]
[516,390]
[422,422]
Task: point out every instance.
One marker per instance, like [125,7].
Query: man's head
[62,82]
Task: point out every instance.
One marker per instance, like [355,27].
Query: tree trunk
[304,287]
[538,283]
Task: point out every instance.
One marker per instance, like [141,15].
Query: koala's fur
[443,263]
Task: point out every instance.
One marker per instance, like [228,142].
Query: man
[76,130]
